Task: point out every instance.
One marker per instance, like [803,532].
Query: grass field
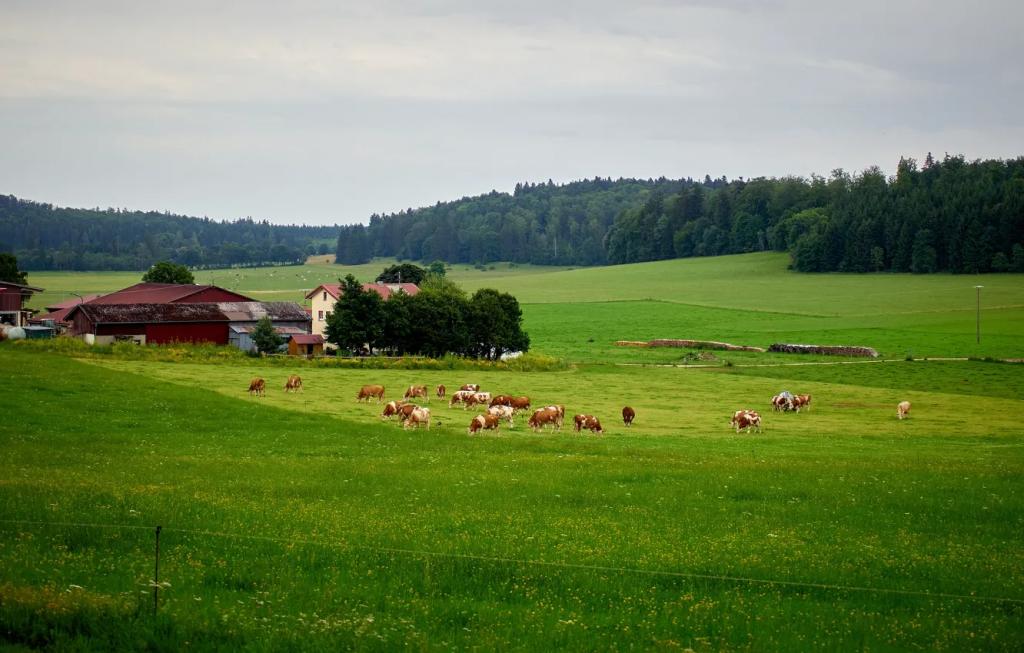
[304,522]
[747,299]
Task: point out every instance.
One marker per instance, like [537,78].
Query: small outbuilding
[306,344]
[13,297]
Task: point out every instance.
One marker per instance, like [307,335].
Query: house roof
[385,290]
[149,313]
[159,293]
[308,339]
[10,285]
[254,311]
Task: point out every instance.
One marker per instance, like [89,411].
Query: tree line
[944,215]
[440,319]
[44,237]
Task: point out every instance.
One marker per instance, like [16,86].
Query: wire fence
[157,530]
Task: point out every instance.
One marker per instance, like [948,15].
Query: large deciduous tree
[402,273]
[167,272]
[265,337]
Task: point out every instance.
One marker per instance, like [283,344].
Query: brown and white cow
[472,387]
[902,409]
[417,415]
[588,422]
[503,412]
[628,415]
[257,386]
[368,392]
[544,416]
[414,391]
[802,401]
[477,398]
[502,400]
[293,384]
[459,397]
[746,419]
[391,409]
[782,403]
[560,410]
[483,422]
[441,391]
[520,403]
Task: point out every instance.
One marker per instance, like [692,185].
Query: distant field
[746,299]
[303,522]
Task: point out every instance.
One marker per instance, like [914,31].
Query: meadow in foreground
[303,522]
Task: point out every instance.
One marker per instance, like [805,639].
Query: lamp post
[977,320]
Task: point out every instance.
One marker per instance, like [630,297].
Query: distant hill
[950,215]
[44,237]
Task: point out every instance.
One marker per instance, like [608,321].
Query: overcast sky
[323,112]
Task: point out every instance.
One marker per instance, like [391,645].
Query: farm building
[323,297]
[289,319]
[308,344]
[13,297]
[57,312]
[155,323]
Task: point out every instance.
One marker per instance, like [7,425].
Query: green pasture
[304,522]
[749,299]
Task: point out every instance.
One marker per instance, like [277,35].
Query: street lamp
[977,321]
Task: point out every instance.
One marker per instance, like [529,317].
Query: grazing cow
[802,401]
[746,419]
[782,403]
[441,391]
[416,415]
[903,409]
[477,398]
[560,410]
[460,397]
[472,387]
[502,400]
[391,409]
[257,386]
[486,422]
[544,416]
[588,422]
[293,384]
[368,392]
[520,403]
[503,412]
[628,415]
[414,391]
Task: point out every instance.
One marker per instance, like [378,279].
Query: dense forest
[44,237]
[949,215]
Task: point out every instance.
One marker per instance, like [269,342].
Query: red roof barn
[171,293]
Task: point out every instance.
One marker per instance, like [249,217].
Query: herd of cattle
[506,407]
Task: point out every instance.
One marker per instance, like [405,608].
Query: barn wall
[10,301]
[120,330]
[215,332]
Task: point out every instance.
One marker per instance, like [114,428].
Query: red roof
[161,293]
[68,303]
[383,289]
[308,339]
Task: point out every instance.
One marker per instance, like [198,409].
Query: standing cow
[257,386]
[441,391]
[588,422]
[391,409]
[903,409]
[416,416]
[628,415]
[746,420]
[544,416]
[368,392]
[483,422]
[293,384]
[472,387]
[503,412]
[414,391]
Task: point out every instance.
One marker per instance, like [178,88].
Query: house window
[320,316]
[325,295]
